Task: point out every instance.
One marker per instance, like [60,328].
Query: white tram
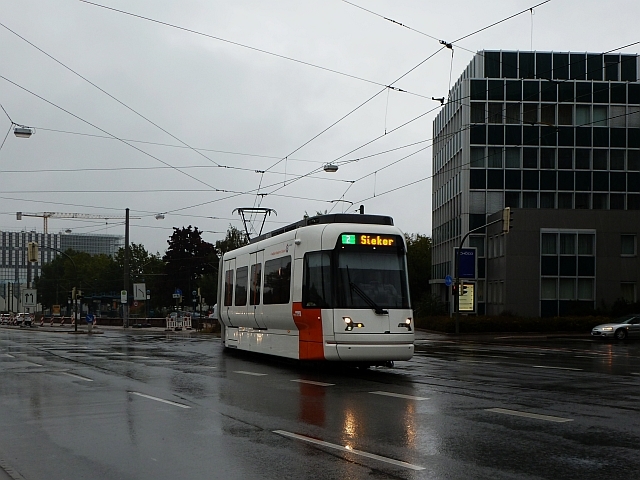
[332,287]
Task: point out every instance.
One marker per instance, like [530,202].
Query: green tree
[93,274]
[235,238]
[418,265]
[144,267]
[187,260]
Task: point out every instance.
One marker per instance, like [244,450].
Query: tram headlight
[408,321]
[347,320]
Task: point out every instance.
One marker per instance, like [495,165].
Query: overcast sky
[216,97]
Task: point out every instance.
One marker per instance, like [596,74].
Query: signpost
[29,297]
[139,291]
[123,296]
[467,301]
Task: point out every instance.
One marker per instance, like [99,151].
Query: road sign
[448,281]
[139,291]
[467,262]
[467,300]
[29,297]
[123,296]
[176,295]
[135,304]
[177,292]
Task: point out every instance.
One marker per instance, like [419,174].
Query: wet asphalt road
[152,405]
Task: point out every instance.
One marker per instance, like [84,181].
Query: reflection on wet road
[156,405]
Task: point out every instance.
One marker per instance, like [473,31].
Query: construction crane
[47,215]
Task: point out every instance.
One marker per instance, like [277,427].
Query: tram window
[381,277]
[277,281]
[228,287]
[256,275]
[316,287]
[242,275]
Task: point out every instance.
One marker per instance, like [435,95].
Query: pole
[456,298]
[125,306]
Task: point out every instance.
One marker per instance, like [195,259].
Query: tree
[144,267]
[235,238]
[93,274]
[187,260]
[418,265]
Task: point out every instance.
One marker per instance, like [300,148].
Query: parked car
[620,329]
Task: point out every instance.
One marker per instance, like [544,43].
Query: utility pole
[125,306]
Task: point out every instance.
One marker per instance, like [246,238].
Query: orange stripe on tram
[309,323]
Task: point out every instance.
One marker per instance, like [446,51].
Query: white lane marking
[8,355]
[475,361]
[348,450]
[537,416]
[311,382]
[634,373]
[32,363]
[137,356]
[399,395]
[557,368]
[250,373]
[520,336]
[77,376]
[206,366]
[160,400]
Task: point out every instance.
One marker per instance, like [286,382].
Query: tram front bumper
[368,352]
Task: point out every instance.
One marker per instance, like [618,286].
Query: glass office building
[556,137]
[13,255]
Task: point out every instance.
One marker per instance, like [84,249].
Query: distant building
[556,137]
[13,251]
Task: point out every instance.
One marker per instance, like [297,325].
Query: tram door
[255,288]
[227,298]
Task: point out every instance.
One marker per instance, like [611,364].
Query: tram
[327,288]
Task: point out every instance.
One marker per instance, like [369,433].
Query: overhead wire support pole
[125,306]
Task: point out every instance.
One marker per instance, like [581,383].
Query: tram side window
[242,275]
[277,281]
[228,287]
[256,274]
[316,287]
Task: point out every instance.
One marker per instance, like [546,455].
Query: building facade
[14,267]
[556,137]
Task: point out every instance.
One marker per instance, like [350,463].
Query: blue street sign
[448,281]
[178,291]
[467,262]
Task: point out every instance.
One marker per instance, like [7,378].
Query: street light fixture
[330,167]
[21,131]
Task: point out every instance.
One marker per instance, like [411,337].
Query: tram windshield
[380,276]
[355,278]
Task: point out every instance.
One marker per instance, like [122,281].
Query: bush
[510,324]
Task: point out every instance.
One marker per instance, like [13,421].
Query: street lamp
[330,168]
[21,131]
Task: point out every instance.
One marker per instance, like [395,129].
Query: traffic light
[79,294]
[507,220]
[32,251]
[73,293]
[454,289]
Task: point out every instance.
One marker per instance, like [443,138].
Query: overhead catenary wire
[238,44]
[466,36]
[104,131]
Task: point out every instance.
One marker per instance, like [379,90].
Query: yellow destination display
[370,240]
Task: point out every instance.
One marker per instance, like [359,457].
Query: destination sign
[369,240]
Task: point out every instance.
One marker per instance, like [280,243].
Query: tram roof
[331,218]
